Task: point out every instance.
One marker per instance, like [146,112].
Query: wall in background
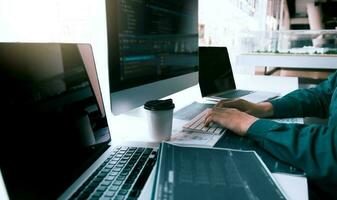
[69,21]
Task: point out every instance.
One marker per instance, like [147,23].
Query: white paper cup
[159,119]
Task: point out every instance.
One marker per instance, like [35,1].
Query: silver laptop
[216,79]
[55,142]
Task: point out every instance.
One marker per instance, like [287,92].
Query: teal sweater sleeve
[312,148]
[312,102]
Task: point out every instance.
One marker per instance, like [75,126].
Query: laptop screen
[215,71]
[52,125]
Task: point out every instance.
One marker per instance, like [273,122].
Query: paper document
[296,120]
[212,173]
[296,187]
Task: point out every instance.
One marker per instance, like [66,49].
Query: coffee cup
[159,118]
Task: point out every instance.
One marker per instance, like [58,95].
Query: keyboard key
[218,131]
[102,175]
[119,197]
[124,173]
[122,162]
[110,178]
[212,129]
[123,192]
[121,178]
[105,198]
[114,188]
[102,188]
[106,183]
[117,169]
[109,194]
[113,173]
[106,170]
[113,162]
[109,166]
[117,183]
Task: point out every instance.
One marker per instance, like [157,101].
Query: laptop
[56,142]
[216,79]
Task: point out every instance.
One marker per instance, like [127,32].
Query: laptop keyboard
[197,125]
[121,176]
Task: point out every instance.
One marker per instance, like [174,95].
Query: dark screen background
[215,71]
[46,100]
[151,40]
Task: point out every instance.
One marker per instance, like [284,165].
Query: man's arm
[312,148]
[312,102]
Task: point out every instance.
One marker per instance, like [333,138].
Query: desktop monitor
[152,50]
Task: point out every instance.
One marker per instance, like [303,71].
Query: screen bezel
[88,59]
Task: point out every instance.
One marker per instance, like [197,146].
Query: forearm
[262,110]
[312,102]
[309,148]
[302,103]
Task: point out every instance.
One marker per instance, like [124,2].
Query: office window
[52,20]
[220,21]
[235,23]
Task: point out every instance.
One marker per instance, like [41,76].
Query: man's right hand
[260,110]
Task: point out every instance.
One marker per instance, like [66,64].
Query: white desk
[133,126]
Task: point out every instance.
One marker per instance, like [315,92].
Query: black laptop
[55,141]
[216,79]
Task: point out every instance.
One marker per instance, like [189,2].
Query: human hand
[264,109]
[233,119]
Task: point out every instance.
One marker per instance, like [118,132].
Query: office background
[231,23]
[84,21]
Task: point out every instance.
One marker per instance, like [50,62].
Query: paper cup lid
[159,105]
